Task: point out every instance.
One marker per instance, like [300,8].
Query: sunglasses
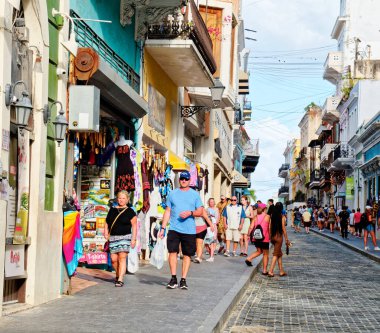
[233,199]
[184,179]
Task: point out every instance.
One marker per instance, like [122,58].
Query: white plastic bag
[157,256]
[133,260]
[209,236]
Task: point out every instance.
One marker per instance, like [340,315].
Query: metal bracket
[188,111]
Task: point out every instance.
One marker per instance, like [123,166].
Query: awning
[340,195]
[238,180]
[123,99]
[177,162]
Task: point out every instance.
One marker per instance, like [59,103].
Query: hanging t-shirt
[193,176]
[201,174]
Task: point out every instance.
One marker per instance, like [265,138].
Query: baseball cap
[185,174]
[262,205]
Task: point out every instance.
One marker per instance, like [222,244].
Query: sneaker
[248,263]
[366,248]
[234,254]
[182,284]
[377,248]
[197,260]
[211,259]
[172,284]
[227,254]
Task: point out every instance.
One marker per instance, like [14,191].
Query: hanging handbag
[106,246]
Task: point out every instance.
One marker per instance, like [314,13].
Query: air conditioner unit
[84,108]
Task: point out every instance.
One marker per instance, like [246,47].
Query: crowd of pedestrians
[345,220]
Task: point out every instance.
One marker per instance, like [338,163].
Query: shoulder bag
[106,246]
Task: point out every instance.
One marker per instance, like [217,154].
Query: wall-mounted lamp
[70,45]
[60,124]
[216,95]
[23,106]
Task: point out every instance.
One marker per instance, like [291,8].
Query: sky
[286,74]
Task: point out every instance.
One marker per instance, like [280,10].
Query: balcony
[325,151]
[324,178]
[301,155]
[86,37]
[333,67]
[283,192]
[251,156]
[314,179]
[183,48]
[343,156]
[247,111]
[283,171]
[329,110]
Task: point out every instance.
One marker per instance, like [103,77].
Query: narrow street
[329,288]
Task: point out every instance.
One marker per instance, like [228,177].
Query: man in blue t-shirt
[183,205]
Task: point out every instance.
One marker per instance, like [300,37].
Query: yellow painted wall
[155,76]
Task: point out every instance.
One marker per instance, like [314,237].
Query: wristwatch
[191,212]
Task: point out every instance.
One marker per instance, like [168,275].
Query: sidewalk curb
[218,316]
[352,247]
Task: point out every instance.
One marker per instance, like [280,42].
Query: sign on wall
[350,188]
[14,260]
[157,110]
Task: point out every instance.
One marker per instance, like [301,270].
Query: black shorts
[262,245]
[187,242]
[307,224]
[201,235]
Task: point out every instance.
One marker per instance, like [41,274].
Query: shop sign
[95,258]
[6,138]
[14,260]
[23,187]
[349,188]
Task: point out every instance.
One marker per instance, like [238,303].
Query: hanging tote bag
[133,260]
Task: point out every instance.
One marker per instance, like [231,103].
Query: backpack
[364,220]
[257,234]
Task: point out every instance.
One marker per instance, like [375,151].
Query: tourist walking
[321,218]
[358,225]
[297,217]
[344,218]
[201,224]
[221,228]
[244,229]
[213,215]
[183,204]
[120,229]
[234,216]
[331,218]
[368,222]
[261,221]
[306,219]
[277,234]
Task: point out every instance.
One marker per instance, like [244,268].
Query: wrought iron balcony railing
[194,29]
[247,105]
[283,189]
[315,176]
[343,150]
[86,37]
[284,167]
[324,175]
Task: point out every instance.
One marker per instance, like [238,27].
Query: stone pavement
[329,288]
[354,243]
[143,304]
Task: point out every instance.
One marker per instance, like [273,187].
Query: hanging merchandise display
[125,177]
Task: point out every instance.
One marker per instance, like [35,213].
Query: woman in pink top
[262,246]
[358,225]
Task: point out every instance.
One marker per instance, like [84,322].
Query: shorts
[307,224]
[187,242]
[262,245]
[370,227]
[233,235]
[201,235]
[297,223]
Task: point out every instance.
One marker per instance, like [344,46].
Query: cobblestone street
[329,288]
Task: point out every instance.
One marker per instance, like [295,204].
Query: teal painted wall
[120,39]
